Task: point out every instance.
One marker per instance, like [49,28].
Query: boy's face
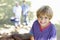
[43,20]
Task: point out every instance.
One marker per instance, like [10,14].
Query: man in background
[17,14]
[25,9]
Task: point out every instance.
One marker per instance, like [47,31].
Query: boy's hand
[32,38]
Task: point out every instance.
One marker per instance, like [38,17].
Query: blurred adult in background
[17,14]
[25,9]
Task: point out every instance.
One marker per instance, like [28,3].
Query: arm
[53,34]
[31,38]
[32,32]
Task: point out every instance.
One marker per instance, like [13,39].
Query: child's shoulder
[53,26]
[36,21]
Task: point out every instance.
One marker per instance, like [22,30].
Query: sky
[54,4]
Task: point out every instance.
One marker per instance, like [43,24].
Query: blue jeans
[25,19]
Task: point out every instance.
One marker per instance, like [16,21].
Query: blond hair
[45,10]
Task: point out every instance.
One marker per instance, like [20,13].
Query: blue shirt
[46,34]
[25,9]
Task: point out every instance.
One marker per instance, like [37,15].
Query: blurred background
[7,5]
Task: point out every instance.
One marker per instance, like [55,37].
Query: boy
[42,28]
